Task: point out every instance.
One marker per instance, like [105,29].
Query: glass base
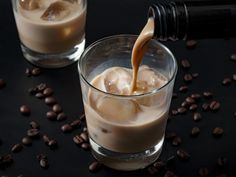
[126,161]
[53,60]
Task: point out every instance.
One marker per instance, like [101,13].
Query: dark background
[105,17]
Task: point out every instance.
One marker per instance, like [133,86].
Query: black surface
[106,17]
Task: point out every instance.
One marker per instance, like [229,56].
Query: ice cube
[57,11]
[117,110]
[30,4]
[72,1]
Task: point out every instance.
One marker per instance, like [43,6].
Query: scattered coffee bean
[197,116]
[78,140]
[193,107]
[84,136]
[25,110]
[16,148]
[61,116]
[185,104]
[43,161]
[195,75]
[217,132]
[182,154]
[233,57]
[50,100]
[182,110]
[174,112]
[57,108]
[207,94]
[176,141]
[66,128]
[33,133]
[226,81]
[34,125]
[94,167]
[53,144]
[188,78]
[5,161]
[205,106]
[41,87]
[159,164]
[2,83]
[26,141]
[195,131]
[36,71]
[183,89]
[221,161]
[214,105]
[203,172]
[234,77]
[39,95]
[33,91]
[28,72]
[185,64]
[196,96]
[85,146]
[152,170]
[170,174]
[170,135]
[51,115]
[48,91]
[46,139]
[76,123]
[190,100]
[191,44]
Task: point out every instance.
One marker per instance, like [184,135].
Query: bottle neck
[194,19]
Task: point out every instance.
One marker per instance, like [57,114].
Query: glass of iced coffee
[126,129]
[52,32]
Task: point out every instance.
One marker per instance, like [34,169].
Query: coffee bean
[33,133]
[76,123]
[51,115]
[28,72]
[185,64]
[234,77]
[197,116]
[34,125]
[53,144]
[43,163]
[85,146]
[170,135]
[66,128]
[41,87]
[183,89]
[94,166]
[191,44]
[221,161]
[214,105]
[159,164]
[170,174]
[196,96]
[26,141]
[221,175]
[182,154]
[182,110]
[50,100]
[218,131]
[207,94]
[195,75]
[36,71]
[16,148]
[84,136]
[25,110]
[78,140]
[152,170]
[174,112]
[190,100]
[57,108]
[5,161]
[205,106]
[48,91]
[2,83]
[185,104]
[61,116]
[41,156]
[226,81]
[39,95]
[203,172]
[46,139]
[176,141]
[33,91]
[195,131]
[188,78]
[193,107]
[233,57]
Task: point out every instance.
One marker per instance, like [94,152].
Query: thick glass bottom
[126,161]
[53,60]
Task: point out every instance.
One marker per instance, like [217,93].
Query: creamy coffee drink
[50,26]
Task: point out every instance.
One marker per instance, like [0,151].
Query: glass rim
[154,91]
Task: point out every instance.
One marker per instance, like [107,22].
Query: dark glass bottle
[194,19]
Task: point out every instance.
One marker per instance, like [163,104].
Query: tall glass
[135,143]
[52,33]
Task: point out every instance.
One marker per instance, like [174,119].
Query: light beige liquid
[51,35]
[128,124]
